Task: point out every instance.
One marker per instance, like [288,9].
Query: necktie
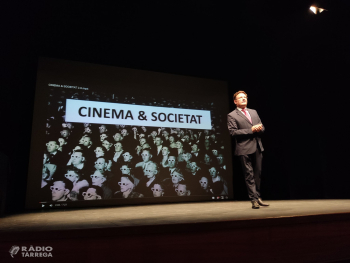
[246,114]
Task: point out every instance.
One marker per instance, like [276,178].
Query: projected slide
[108,136]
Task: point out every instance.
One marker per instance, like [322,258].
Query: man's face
[158,141]
[181,190]
[193,167]
[186,157]
[142,141]
[241,100]
[206,143]
[58,190]
[91,194]
[212,172]
[220,159]
[127,157]
[157,190]
[72,176]
[215,152]
[70,125]
[100,164]
[186,138]
[124,132]
[87,130]
[144,129]
[204,183]
[165,150]
[178,145]
[176,177]
[118,147]
[87,141]
[97,178]
[102,128]
[125,184]
[146,156]
[194,148]
[165,134]
[52,146]
[103,136]
[125,170]
[61,141]
[107,144]
[171,161]
[86,125]
[171,139]
[64,133]
[150,171]
[206,158]
[117,137]
[154,134]
[77,158]
[99,152]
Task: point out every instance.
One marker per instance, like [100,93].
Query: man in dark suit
[245,126]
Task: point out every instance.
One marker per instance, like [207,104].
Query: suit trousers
[251,166]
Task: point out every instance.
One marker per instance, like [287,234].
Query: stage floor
[287,231]
[169,214]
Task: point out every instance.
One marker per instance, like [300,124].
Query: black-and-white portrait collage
[84,161]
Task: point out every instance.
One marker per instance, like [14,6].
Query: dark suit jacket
[241,129]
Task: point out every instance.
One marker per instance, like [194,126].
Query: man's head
[124,132]
[165,134]
[99,151]
[101,165]
[52,146]
[77,157]
[125,169]
[118,147]
[220,158]
[215,152]
[204,182]
[94,192]
[207,158]
[117,137]
[126,183]
[165,150]
[181,190]
[127,157]
[72,174]
[107,144]
[103,136]
[176,176]
[240,98]
[158,190]
[142,141]
[60,189]
[65,133]
[179,145]
[98,178]
[102,128]
[87,141]
[194,167]
[150,170]
[154,134]
[143,128]
[194,148]
[172,161]
[146,155]
[62,142]
[186,156]
[158,141]
[213,172]
[206,143]
[171,138]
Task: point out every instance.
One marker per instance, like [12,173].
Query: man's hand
[257,128]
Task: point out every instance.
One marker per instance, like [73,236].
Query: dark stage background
[293,65]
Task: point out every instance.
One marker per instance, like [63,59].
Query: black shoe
[262,203]
[255,205]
